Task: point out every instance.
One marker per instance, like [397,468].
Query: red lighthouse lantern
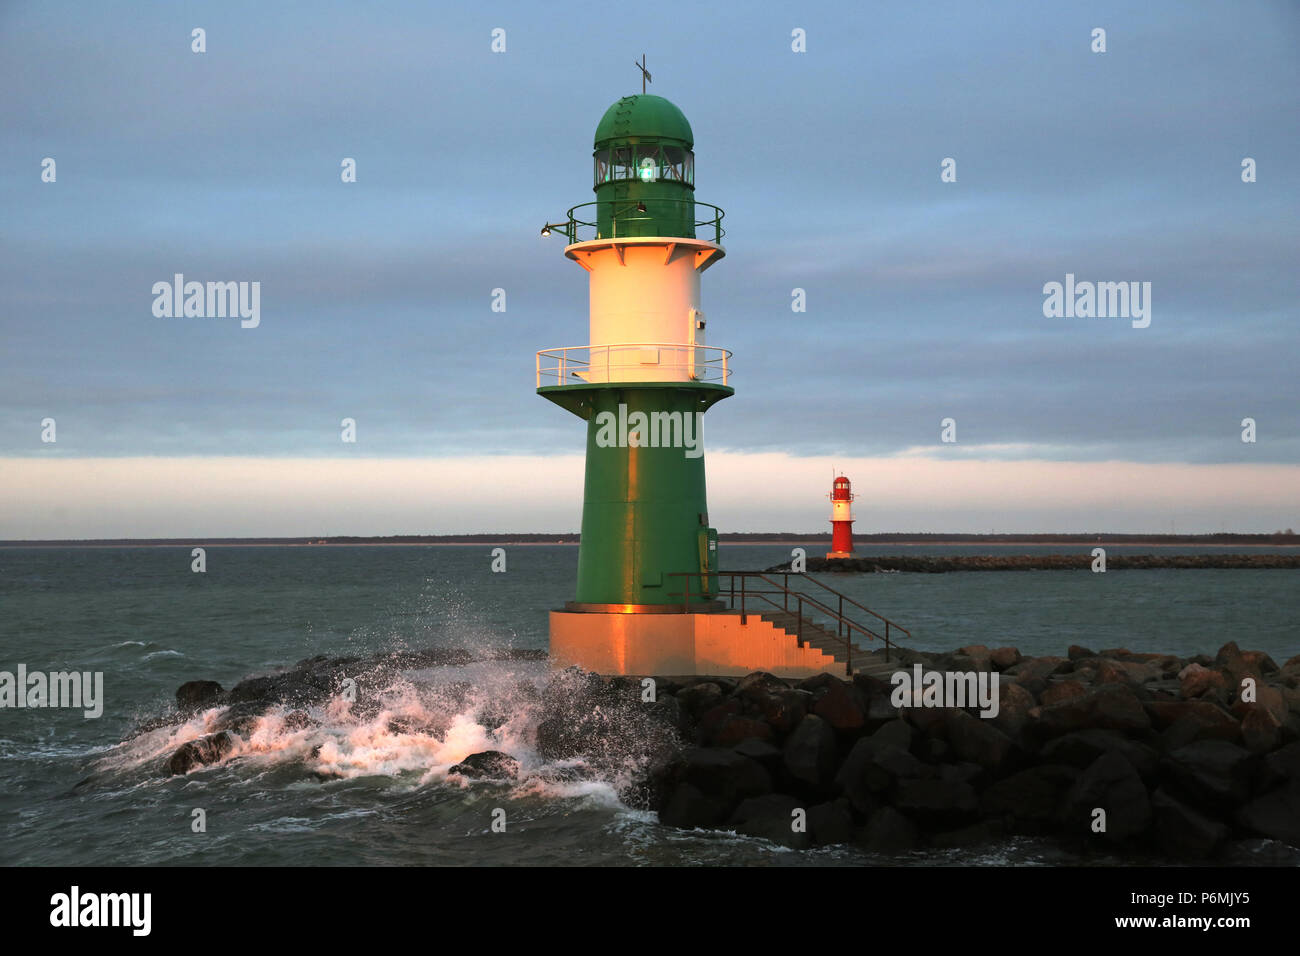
[841,519]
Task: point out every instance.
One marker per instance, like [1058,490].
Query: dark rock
[238,719]
[772,817]
[759,683]
[1266,697]
[1005,657]
[936,803]
[1260,661]
[1197,681]
[1110,707]
[977,834]
[670,712]
[488,764]
[1078,652]
[1183,831]
[810,752]
[1037,667]
[976,739]
[1112,784]
[888,831]
[200,752]
[195,694]
[1058,691]
[1165,713]
[699,698]
[1275,815]
[760,750]
[1282,765]
[831,822]
[896,733]
[1082,748]
[1014,705]
[1032,800]
[1212,773]
[1235,666]
[689,807]
[736,728]
[880,711]
[889,765]
[841,705]
[724,773]
[1260,731]
[298,720]
[1187,721]
[960,772]
[1112,672]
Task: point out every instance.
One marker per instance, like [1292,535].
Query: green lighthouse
[646,377]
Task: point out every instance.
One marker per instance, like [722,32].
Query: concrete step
[826,641]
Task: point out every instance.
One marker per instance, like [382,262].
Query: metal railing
[748,596]
[633,362]
[572,228]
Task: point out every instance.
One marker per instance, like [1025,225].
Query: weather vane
[645,74]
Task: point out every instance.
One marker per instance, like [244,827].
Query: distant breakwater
[1109,751]
[932,564]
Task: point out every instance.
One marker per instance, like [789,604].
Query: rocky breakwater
[1108,751]
[933,564]
[1111,751]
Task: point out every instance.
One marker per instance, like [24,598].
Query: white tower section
[646,322]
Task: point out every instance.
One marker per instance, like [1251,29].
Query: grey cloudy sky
[924,299]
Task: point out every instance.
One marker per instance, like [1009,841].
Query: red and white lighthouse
[841,520]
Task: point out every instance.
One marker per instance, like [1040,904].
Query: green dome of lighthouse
[644,115]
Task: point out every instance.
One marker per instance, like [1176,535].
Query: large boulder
[830,822]
[1197,681]
[1109,707]
[1082,748]
[1260,731]
[872,764]
[888,831]
[1183,831]
[196,694]
[1004,658]
[689,807]
[840,704]
[487,764]
[937,803]
[1275,815]
[772,817]
[810,752]
[200,752]
[723,773]
[699,698]
[1030,801]
[1059,691]
[1032,668]
[1111,784]
[1211,773]
[1014,705]
[975,739]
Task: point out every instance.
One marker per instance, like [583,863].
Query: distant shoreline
[737,538]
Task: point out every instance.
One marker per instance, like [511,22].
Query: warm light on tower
[841,519]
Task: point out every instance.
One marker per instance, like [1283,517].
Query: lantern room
[644,170]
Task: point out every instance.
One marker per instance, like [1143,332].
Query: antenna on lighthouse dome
[645,74]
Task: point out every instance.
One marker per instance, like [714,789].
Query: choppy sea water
[80,791]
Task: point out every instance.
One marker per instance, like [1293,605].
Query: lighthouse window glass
[673,164]
[622,163]
[602,171]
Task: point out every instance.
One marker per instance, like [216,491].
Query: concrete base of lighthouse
[681,644]
[837,555]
